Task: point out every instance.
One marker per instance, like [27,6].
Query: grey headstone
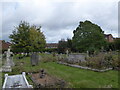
[34,58]
[75,58]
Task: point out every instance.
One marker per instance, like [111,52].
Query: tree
[88,36]
[26,38]
[69,43]
[117,44]
[62,46]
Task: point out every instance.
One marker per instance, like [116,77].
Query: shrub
[82,63]
[95,62]
[103,60]
[115,62]
[108,60]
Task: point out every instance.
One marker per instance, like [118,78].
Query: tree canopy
[88,36]
[117,44]
[26,38]
[62,46]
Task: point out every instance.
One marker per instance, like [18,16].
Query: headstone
[34,59]
[75,58]
[9,62]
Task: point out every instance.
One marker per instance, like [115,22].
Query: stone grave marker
[9,62]
[87,53]
[75,58]
[16,81]
[34,59]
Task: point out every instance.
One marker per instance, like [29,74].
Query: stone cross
[9,58]
[9,62]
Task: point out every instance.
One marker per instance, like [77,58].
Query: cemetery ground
[73,77]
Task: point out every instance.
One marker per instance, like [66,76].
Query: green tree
[62,46]
[117,44]
[26,38]
[88,36]
[69,43]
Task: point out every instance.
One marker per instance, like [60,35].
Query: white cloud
[59,18]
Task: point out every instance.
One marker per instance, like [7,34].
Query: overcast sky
[59,18]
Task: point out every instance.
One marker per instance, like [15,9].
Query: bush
[95,62]
[103,60]
[82,63]
[108,60]
[115,62]
[19,56]
[50,50]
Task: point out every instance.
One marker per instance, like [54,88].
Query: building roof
[52,45]
[106,35]
[109,37]
[5,45]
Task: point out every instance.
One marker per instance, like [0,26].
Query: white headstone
[9,62]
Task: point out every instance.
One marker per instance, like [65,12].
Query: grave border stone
[24,77]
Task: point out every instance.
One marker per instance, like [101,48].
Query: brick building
[109,37]
[4,45]
[52,45]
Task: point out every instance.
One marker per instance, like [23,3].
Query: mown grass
[75,78]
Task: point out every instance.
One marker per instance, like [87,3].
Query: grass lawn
[75,78]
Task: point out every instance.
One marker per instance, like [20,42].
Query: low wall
[75,58]
[87,68]
[16,81]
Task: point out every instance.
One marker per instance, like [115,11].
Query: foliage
[51,50]
[69,45]
[103,60]
[88,35]
[110,46]
[116,62]
[62,46]
[117,44]
[65,45]
[26,38]
[113,45]
[108,60]
[19,56]
[96,61]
